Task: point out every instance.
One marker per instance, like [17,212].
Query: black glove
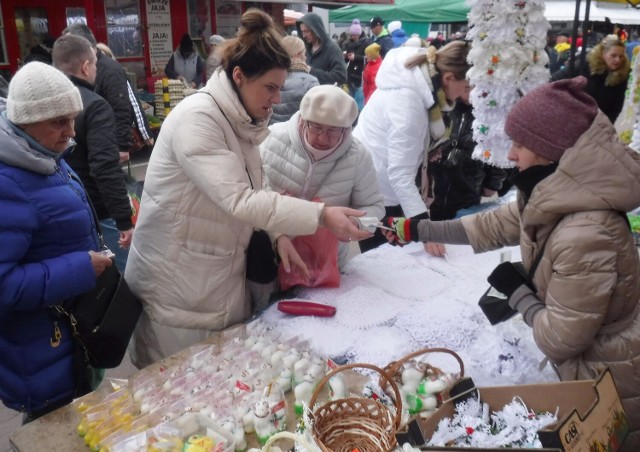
[506,278]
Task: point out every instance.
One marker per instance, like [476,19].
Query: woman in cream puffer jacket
[202,200]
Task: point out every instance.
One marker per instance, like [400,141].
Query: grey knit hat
[39,92]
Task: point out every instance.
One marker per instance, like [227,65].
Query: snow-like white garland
[628,122]
[474,426]
[508,60]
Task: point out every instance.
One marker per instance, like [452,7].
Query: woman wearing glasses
[202,200]
[314,156]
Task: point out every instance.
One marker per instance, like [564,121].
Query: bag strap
[96,221]
[324,179]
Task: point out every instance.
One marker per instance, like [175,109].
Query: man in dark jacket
[112,84]
[323,55]
[95,158]
[381,35]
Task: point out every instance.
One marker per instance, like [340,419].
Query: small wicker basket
[355,423]
[394,368]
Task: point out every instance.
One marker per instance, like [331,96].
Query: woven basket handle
[395,366]
[383,375]
[297,439]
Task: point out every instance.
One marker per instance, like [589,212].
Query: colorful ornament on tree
[508,61]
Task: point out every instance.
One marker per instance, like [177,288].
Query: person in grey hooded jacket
[323,55]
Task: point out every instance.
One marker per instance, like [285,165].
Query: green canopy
[419,11]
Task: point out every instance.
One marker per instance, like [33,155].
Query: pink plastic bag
[320,252]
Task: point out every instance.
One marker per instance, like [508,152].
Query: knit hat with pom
[551,118]
[39,92]
[413,41]
[356,28]
[329,105]
[372,51]
[394,25]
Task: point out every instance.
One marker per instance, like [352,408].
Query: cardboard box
[590,414]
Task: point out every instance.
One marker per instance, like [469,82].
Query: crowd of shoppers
[275,141]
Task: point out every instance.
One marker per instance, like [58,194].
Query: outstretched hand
[405,230]
[338,221]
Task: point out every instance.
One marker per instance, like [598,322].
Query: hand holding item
[338,221]
[124,157]
[405,229]
[506,278]
[289,256]
[99,262]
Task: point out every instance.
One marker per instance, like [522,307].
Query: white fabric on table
[394,300]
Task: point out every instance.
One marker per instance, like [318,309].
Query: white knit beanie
[38,92]
[329,105]
[394,25]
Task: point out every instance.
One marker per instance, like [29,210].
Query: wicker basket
[355,423]
[394,369]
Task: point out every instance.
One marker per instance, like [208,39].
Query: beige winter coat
[187,259]
[589,276]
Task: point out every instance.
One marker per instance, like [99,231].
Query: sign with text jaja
[159,30]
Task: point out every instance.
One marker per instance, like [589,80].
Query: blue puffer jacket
[46,231]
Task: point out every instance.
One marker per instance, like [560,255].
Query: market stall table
[391,301]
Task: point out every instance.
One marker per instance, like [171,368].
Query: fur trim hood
[597,66]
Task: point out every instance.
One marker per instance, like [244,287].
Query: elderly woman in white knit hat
[48,252]
[314,155]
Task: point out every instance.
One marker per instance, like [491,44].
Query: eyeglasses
[333,133]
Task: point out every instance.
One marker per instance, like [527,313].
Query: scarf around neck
[439,123]
[528,179]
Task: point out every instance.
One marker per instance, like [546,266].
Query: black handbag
[102,320]
[494,303]
[261,259]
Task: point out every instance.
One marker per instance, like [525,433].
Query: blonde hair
[450,58]
[105,49]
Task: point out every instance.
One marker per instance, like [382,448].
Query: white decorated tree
[508,60]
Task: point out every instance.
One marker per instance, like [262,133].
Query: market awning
[425,11]
[618,11]
[327,3]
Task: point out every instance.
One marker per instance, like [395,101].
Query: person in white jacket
[404,119]
[202,200]
[314,155]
